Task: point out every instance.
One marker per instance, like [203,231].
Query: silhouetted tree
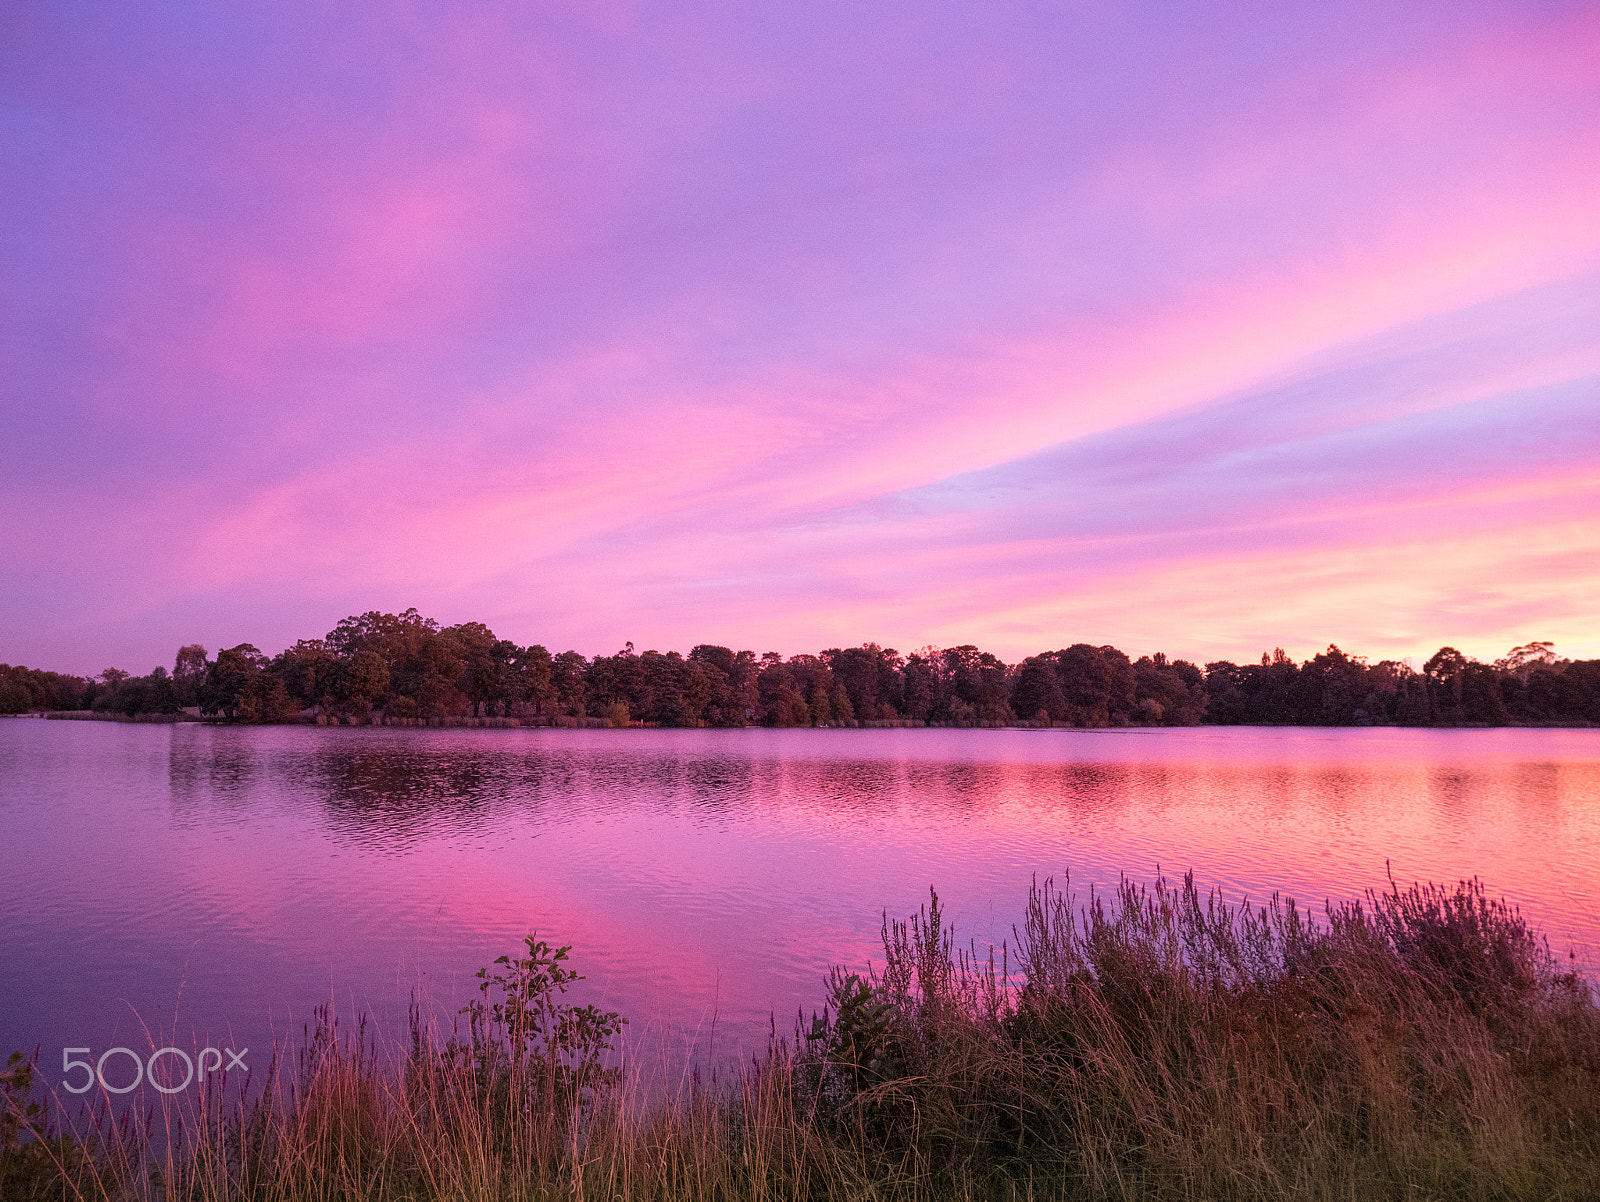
[228,680]
[569,675]
[406,666]
[189,669]
[1168,694]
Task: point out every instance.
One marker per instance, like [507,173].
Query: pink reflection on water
[708,879]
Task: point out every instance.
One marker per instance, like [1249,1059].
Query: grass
[1152,1044]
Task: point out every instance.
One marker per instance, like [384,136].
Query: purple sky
[1168,326]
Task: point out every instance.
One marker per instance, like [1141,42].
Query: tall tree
[189,669]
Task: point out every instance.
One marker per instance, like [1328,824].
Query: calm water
[195,884]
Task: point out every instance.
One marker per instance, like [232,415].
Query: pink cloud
[593,320]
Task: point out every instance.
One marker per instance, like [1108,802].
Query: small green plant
[35,1161]
[20,1116]
[858,1035]
[520,1023]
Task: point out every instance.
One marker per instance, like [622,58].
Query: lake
[203,885]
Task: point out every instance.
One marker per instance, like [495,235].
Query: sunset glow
[792,327]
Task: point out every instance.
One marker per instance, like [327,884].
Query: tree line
[406,669]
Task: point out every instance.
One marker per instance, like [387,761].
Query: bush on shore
[1155,1044]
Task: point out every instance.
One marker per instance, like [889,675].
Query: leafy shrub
[520,1023]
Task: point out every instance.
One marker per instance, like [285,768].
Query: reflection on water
[210,880]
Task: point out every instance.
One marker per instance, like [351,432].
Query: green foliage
[520,1022]
[404,668]
[35,1160]
[23,689]
[854,1045]
[229,680]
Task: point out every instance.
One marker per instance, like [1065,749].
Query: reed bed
[1153,1043]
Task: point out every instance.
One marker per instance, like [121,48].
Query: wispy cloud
[795,327]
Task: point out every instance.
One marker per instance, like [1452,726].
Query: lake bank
[589,722]
[1156,1044]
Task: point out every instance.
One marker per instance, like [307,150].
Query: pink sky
[791,326]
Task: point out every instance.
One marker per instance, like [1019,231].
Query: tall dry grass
[1152,1044]
[1160,1044]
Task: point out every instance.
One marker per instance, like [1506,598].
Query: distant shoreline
[408,670]
[564,722]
